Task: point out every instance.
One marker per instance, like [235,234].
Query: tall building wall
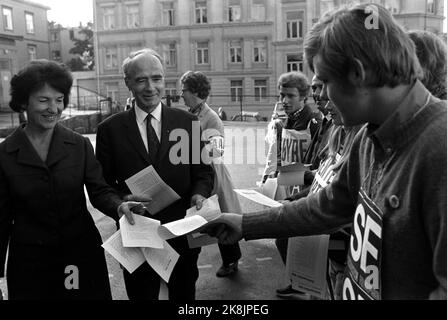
[276,27]
[18,43]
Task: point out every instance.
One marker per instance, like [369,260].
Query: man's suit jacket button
[394,202]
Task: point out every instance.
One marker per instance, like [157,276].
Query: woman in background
[195,91]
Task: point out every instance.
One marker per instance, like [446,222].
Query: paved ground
[261,270]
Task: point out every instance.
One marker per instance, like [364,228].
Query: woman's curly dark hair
[34,76]
[197,82]
[432,55]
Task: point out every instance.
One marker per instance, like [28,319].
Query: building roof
[34,4]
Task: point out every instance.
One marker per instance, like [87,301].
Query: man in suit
[132,140]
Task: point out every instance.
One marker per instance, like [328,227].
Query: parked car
[248,116]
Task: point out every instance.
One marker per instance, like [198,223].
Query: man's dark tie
[153,144]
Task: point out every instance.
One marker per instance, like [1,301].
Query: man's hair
[34,76]
[432,54]
[295,79]
[197,82]
[128,61]
[341,37]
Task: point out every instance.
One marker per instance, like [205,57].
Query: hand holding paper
[194,220]
[197,201]
[126,209]
[227,228]
[141,209]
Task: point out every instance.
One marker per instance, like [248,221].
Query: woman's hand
[133,205]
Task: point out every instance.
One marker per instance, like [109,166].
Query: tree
[83,48]
[76,64]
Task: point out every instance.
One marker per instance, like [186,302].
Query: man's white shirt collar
[141,115]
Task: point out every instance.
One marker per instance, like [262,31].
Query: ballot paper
[148,183]
[210,210]
[130,258]
[141,234]
[257,197]
[193,222]
[162,261]
[268,188]
[291,175]
[306,264]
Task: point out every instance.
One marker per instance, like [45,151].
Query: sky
[69,13]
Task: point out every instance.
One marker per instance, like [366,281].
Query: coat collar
[27,155]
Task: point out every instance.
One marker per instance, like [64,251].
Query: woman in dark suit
[54,247]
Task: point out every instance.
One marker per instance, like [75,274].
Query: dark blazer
[43,205]
[121,152]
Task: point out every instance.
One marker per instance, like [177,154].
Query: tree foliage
[83,48]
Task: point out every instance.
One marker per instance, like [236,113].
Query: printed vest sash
[325,174]
[294,145]
[362,278]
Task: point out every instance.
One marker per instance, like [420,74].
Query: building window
[170,54]
[260,51]
[258,10]
[133,16]
[201,12]
[55,36]
[236,90]
[235,52]
[260,90]
[168,14]
[431,6]
[131,48]
[294,24]
[5,64]
[111,61]
[7,18]
[56,54]
[202,53]
[234,11]
[294,63]
[108,18]
[171,90]
[29,22]
[32,55]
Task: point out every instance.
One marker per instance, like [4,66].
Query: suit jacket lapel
[166,128]
[134,136]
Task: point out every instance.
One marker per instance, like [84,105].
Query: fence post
[79,101]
